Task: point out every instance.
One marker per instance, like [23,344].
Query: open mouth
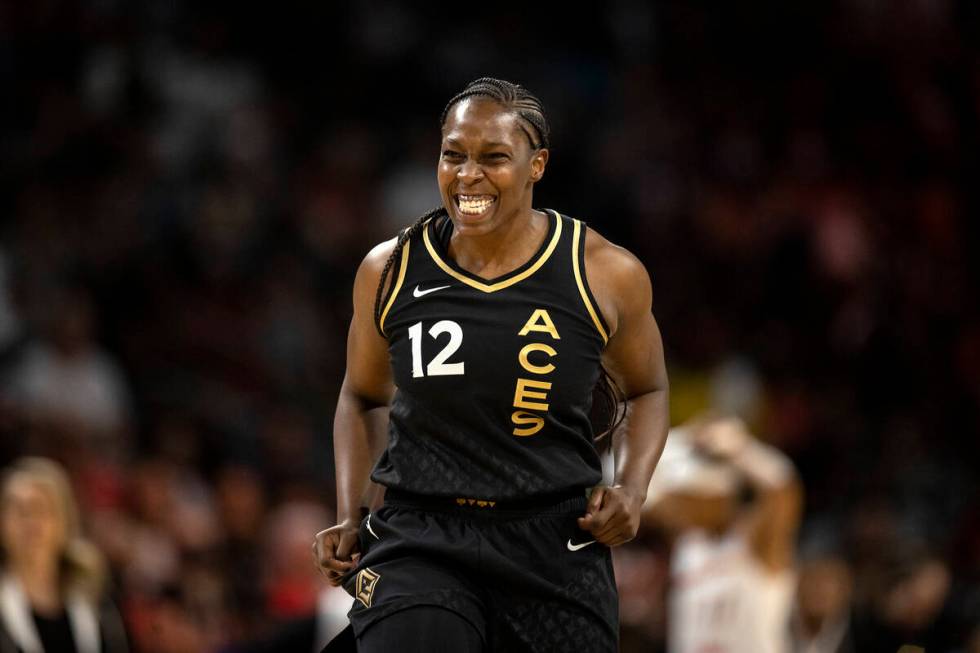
[474,204]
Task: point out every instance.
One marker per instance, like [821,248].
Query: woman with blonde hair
[52,580]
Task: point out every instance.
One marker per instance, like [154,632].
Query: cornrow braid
[407,234]
[513,97]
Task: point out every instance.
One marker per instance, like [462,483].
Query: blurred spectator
[164,624]
[821,619]
[291,591]
[915,603]
[242,507]
[308,612]
[732,569]
[52,590]
[642,574]
[311,633]
[71,390]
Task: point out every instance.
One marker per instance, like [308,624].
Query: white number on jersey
[438,366]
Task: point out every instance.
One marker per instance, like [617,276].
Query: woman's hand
[613,514]
[336,550]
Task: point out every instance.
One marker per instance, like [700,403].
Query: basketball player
[485,326]
[732,579]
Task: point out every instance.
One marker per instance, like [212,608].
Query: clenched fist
[336,550]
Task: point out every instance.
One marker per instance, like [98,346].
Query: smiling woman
[489,162]
[494,534]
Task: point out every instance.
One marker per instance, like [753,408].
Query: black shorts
[526,579]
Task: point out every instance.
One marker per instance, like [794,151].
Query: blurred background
[186,191]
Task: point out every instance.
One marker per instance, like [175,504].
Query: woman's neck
[502,250]
[39,578]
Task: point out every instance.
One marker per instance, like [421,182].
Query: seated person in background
[821,621]
[51,580]
[915,601]
[732,506]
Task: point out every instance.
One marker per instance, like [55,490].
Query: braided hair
[608,406]
[512,97]
[380,296]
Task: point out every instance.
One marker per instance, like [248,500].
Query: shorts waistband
[557,503]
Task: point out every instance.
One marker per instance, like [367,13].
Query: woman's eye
[497,156]
[450,154]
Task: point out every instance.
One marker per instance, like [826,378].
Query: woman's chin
[473,224]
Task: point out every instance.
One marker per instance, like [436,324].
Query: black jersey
[494,377]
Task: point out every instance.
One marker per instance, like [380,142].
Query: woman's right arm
[367,385]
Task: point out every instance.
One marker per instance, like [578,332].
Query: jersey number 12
[438,366]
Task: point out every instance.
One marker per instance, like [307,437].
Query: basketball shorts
[526,577]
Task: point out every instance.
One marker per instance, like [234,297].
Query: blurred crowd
[187,188]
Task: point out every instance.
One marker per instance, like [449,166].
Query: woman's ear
[539,160]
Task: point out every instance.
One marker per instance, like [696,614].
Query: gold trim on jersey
[500,285]
[576,233]
[398,286]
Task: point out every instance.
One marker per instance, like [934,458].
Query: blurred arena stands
[186,190]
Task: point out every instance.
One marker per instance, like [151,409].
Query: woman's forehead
[481,119]
[25,489]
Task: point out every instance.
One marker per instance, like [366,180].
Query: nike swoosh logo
[419,293]
[576,547]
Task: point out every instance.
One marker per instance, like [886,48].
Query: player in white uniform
[732,579]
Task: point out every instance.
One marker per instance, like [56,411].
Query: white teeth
[474,204]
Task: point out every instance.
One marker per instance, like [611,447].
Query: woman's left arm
[634,357]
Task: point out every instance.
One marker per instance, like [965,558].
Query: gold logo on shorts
[475,502]
[367,580]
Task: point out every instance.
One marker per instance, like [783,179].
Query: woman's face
[31,523]
[486,168]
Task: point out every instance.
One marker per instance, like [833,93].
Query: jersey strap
[399,280]
[578,268]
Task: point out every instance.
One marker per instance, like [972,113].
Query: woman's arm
[772,519]
[367,385]
[634,358]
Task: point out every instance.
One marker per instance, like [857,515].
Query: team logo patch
[367,580]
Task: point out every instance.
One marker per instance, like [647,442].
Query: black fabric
[559,502]
[421,629]
[521,580]
[55,633]
[52,632]
[459,434]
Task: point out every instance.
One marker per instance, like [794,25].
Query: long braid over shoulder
[407,234]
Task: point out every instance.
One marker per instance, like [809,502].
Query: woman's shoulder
[609,258]
[373,264]
[378,257]
[603,258]
[617,278]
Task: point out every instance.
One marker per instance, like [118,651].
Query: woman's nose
[470,171]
